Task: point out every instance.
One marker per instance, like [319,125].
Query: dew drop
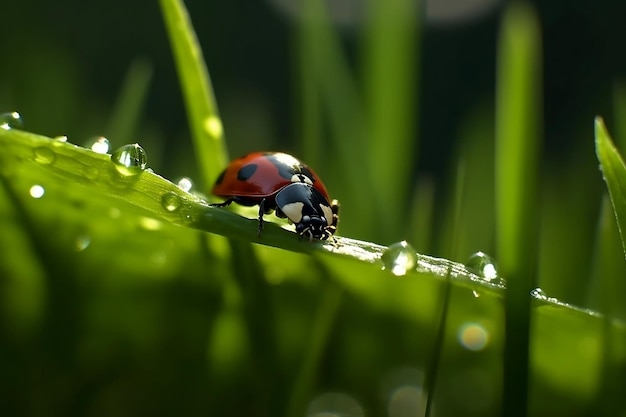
[36,191]
[130,160]
[399,258]
[484,266]
[187,218]
[44,155]
[171,202]
[82,242]
[60,139]
[185,184]
[12,120]
[99,144]
[539,294]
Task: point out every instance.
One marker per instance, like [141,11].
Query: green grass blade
[517,138]
[421,229]
[127,112]
[614,173]
[204,121]
[390,78]
[608,268]
[329,92]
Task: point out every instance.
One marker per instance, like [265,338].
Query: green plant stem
[517,142]
[204,121]
[431,376]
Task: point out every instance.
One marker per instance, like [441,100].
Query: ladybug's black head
[314,227]
[308,209]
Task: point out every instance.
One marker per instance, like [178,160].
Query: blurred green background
[120,343]
[64,65]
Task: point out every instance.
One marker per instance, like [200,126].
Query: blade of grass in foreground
[517,137]
[204,121]
[614,173]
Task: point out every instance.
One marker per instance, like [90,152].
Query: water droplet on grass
[171,202]
[399,258]
[36,191]
[82,242]
[11,120]
[484,266]
[130,160]
[539,294]
[99,145]
[44,155]
[185,184]
[61,139]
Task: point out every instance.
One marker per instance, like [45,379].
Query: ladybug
[281,183]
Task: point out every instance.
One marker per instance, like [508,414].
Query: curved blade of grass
[614,173]
[153,194]
[517,138]
[204,121]
[210,149]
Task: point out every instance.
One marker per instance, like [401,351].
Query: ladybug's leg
[224,203]
[261,213]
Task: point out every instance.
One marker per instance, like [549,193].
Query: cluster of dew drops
[401,258]
[129,160]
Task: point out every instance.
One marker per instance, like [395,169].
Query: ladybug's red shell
[260,175]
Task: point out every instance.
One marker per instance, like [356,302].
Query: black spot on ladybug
[220,178]
[246,171]
[305,171]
